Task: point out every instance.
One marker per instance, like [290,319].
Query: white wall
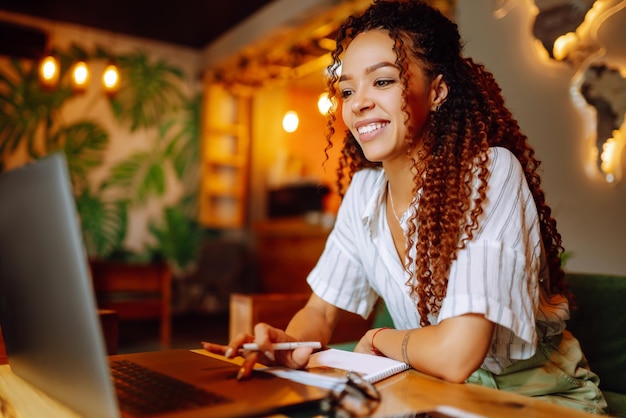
[591,215]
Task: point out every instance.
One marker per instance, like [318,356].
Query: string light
[49,71]
[290,121]
[80,76]
[111,79]
[324,104]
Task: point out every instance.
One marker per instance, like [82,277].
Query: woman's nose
[361,102]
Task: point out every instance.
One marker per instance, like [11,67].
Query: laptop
[51,329]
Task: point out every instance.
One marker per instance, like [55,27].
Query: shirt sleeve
[339,276]
[496,274]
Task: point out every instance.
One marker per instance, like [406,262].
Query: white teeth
[371,127]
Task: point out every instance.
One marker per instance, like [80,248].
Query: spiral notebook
[329,367]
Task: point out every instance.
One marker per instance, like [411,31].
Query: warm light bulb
[324,104]
[111,78]
[290,121]
[563,45]
[80,75]
[610,161]
[49,71]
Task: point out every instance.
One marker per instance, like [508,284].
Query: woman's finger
[214,348]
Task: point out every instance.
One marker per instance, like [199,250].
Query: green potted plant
[149,97]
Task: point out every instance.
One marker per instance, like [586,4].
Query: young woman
[442,217]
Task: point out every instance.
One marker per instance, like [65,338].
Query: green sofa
[599,323]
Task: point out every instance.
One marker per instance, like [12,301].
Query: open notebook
[329,367]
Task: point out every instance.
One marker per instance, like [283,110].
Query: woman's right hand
[264,336]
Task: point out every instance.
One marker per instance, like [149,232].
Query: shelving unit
[225,158]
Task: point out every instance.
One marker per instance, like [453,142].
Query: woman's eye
[346,93]
[384,82]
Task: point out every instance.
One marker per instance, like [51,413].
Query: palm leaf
[178,239]
[186,155]
[25,107]
[103,223]
[139,176]
[147,91]
[154,182]
[84,144]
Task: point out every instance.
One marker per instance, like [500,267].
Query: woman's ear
[438,92]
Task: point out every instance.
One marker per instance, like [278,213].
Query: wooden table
[414,391]
[406,392]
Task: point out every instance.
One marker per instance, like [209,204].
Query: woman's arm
[451,350]
[315,322]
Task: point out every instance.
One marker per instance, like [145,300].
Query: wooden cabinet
[225,158]
[288,249]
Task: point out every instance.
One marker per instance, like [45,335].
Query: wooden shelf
[232,129]
[234,161]
[226,158]
[216,190]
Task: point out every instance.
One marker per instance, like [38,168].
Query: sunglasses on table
[356,397]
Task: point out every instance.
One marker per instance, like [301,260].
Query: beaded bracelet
[378,353]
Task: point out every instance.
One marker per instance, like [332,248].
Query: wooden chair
[135,291]
[109,323]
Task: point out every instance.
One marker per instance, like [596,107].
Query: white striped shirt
[497,274]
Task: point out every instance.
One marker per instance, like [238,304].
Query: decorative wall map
[568,31]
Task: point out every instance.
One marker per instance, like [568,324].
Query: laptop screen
[48,312]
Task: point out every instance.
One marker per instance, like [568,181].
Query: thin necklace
[393,207]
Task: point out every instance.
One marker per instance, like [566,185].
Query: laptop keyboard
[142,391]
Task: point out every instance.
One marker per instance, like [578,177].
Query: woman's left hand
[365,343]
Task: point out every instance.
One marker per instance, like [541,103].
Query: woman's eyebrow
[370,69]
[375,67]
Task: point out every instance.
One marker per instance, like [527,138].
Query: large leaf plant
[150,98]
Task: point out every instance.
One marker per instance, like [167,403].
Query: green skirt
[557,373]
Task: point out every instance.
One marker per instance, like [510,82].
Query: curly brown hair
[453,146]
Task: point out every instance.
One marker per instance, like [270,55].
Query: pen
[284,346]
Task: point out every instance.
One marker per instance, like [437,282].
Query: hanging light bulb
[111,79]
[80,76]
[290,121]
[324,103]
[49,71]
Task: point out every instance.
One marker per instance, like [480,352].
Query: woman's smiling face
[371,91]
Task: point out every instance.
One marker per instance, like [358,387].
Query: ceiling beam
[21,41]
[276,16]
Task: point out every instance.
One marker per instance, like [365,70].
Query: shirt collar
[374,205]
